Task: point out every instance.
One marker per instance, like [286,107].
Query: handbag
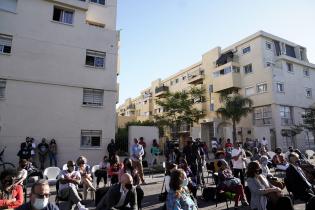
[163,195]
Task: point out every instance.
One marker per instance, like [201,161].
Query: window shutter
[87,96]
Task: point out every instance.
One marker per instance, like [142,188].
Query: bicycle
[5,165]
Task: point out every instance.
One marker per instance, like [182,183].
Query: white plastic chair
[309,153]
[64,167]
[271,154]
[51,173]
[94,168]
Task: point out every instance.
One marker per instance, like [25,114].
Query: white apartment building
[58,75]
[275,73]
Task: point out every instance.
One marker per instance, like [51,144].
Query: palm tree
[235,107]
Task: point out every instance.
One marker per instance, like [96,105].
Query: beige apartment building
[275,73]
[58,75]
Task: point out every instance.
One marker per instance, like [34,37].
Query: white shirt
[263,142]
[167,183]
[65,173]
[239,163]
[214,144]
[123,195]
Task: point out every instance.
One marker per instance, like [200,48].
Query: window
[176,80]
[268,64]
[211,88]
[262,116]
[93,97]
[8,5]
[184,77]
[171,82]
[290,67]
[3,84]
[285,114]
[306,72]
[63,15]
[95,59]
[280,87]
[5,44]
[261,88]
[248,69]
[102,2]
[246,50]
[91,138]
[308,92]
[249,91]
[212,107]
[290,51]
[268,46]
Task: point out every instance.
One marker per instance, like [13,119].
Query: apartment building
[58,75]
[275,73]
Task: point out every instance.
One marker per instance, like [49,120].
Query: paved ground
[153,189]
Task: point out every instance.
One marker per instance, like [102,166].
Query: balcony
[77,4]
[182,129]
[226,58]
[196,77]
[226,77]
[160,91]
[131,107]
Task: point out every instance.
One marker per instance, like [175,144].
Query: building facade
[58,73]
[275,73]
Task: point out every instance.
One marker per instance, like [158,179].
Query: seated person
[169,168]
[33,171]
[39,198]
[227,182]
[114,168]
[192,180]
[307,167]
[120,196]
[179,197]
[129,169]
[68,186]
[267,174]
[86,176]
[213,166]
[11,195]
[256,154]
[21,172]
[263,193]
[102,171]
[296,180]
[279,161]
[287,153]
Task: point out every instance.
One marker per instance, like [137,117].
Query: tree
[309,121]
[178,109]
[234,108]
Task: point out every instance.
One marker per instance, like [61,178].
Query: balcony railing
[131,106]
[161,90]
[196,77]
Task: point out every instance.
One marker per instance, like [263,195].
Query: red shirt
[228,145]
[17,193]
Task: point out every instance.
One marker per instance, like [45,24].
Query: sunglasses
[45,195]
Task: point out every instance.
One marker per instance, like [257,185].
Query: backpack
[209,193]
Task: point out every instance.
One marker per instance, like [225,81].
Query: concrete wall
[46,74]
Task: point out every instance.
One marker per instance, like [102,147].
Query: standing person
[179,197]
[43,149]
[144,145]
[68,186]
[206,150]
[39,198]
[53,152]
[111,149]
[33,150]
[24,152]
[192,156]
[11,195]
[102,172]
[264,143]
[155,152]
[214,145]
[137,152]
[238,162]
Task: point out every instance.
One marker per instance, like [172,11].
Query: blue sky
[161,37]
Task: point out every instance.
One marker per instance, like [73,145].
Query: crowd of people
[244,172]
[34,153]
